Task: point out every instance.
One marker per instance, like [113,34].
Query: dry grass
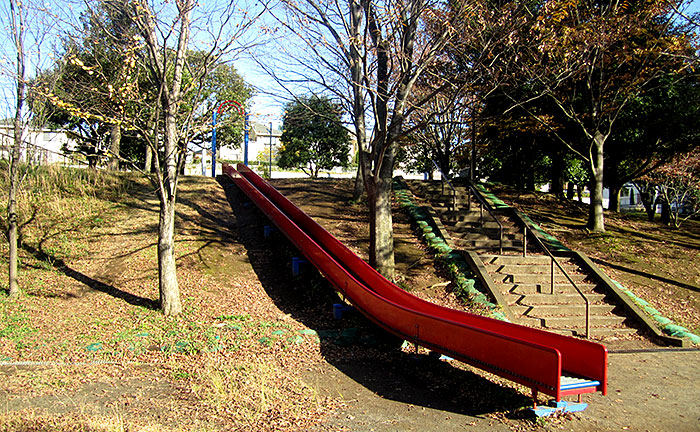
[29,421]
[105,357]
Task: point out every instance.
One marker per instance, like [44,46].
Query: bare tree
[589,60]
[681,8]
[443,131]
[27,24]
[678,185]
[166,29]
[369,55]
[17,26]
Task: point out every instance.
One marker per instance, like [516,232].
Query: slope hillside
[256,349]
[85,347]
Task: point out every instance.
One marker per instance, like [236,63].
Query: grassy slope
[658,263]
[88,271]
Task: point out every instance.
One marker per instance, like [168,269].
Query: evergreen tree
[314,137]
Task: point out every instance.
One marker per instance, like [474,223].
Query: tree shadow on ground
[94,284]
[646,275]
[354,345]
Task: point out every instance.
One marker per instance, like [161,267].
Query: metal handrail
[443,179]
[553,262]
[484,204]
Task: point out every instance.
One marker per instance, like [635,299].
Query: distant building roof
[263,130]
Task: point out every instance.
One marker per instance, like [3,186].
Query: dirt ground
[653,390]
[352,377]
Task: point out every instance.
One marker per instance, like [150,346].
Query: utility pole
[270,150]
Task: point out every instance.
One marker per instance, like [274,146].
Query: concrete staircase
[525,282]
[470,229]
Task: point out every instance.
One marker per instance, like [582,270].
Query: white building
[258,144]
[630,198]
[39,146]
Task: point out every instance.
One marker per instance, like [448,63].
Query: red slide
[545,362]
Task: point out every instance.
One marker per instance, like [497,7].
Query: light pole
[223,105]
[270,150]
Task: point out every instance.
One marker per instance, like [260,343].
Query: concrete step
[542,278]
[491,244]
[446,199]
[527,321]
[473,215]
[519,311]
[532,268]
[454,220]
[533,299]
[476,235]
[507,250]
[493,232]
[473,220]
[598,332]
[580,321]
[574,310]
[514,260]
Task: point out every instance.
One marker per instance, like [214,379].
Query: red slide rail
[545,362]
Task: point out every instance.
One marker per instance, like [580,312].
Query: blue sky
[266,104]
[266,107]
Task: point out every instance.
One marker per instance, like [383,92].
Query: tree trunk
[530,181]
[381,221]
[556,174]
[359,185]
[115,138]
[17,28]
[12,231]
[92,161]
[357,74]
[445,167]
[596,222]
[167,274]
[648,200]
[170,83]
[665,211]
[148,165]
[579,192]
[614,197]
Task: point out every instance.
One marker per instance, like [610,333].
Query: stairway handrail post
[500,242]
[552,277]
[445,179]
[483,204]
[588,317]
[578,290]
